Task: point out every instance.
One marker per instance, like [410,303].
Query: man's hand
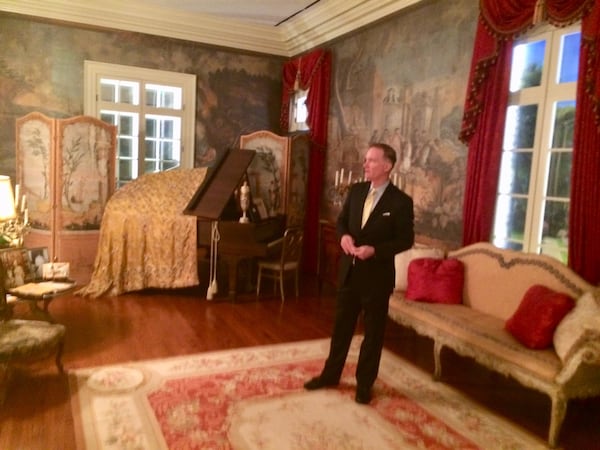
[363,252]
[347,244]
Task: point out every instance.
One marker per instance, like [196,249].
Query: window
[299,111]
[154,112]
[532,206]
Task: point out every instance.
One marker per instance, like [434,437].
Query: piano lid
[215,193]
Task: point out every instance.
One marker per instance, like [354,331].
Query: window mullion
[142,130]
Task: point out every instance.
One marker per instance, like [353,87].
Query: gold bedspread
[145,239]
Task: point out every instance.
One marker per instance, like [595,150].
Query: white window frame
[94,71]
[545,96]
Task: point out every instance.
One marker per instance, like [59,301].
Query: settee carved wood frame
[578,377]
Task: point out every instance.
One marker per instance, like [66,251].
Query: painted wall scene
[388,84]
[391,85]
[41,69]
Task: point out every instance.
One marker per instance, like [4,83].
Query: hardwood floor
[36,413]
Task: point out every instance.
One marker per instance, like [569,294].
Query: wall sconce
[14,215]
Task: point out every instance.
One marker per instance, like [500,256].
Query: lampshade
[7,199]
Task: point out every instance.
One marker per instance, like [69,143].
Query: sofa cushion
[403,259]
[434,280]
[579,327]
[537,316]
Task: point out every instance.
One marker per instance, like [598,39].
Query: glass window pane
[126,94]
[125,149]
[125,170]
[168,165]
[555,231]
[515,172]
[556,216]
[510,245]
[509,222]
[168,100]
[519,131]
[301,109]
[167,129]
[150,167]
[559,175]
[564,124]
[164,96]
[151,152]
[569,58]
[108,117]
[108,92]
[166,150]
[527,65]
[126,125]
[151,97]
[151,127]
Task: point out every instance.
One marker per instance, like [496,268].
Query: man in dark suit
[366,272]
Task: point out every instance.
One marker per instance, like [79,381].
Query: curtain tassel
[214,243]
[539,12]
[298,75]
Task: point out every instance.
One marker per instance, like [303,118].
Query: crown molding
[331,19]
[322,22]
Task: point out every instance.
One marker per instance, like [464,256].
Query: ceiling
[263,12]
[278,27]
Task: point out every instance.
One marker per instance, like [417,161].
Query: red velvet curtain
[584,210]
[482,128]
[485,113]
[311,71]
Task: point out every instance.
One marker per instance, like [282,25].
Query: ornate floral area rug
[253,398]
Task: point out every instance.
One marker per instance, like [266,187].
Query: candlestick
[349,177]
[337,178]
[341,175]
[17,192]
[23,203]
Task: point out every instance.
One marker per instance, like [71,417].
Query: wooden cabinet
[66,167]
[329,254]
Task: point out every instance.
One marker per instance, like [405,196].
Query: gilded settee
[495,282]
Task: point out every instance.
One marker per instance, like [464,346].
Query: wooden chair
[25,340]
[285,260]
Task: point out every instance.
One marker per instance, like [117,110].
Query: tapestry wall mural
[41,69]
[403,83]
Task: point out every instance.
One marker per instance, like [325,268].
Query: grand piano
[216,201]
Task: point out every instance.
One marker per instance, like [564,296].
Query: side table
[40,293]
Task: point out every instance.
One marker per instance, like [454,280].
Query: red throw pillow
[538,315]
[435,280]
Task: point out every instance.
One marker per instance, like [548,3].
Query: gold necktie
[368,206]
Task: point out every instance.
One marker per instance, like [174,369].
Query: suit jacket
[389,230]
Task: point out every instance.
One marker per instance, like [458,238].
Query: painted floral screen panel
[267,173]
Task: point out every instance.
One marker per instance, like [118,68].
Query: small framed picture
[37,258]
[17,267]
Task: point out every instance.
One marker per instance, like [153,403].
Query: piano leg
[232,270]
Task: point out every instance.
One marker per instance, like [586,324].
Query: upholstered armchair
[25,340]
